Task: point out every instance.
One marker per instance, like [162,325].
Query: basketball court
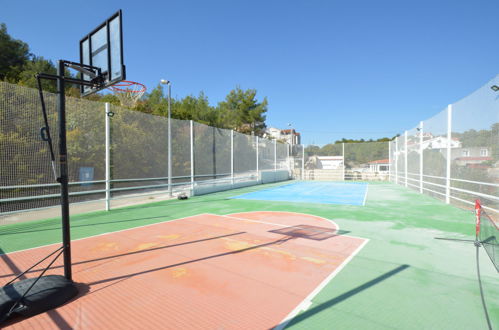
[245,270]
[313,192]
[251,257]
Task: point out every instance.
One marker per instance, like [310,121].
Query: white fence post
[303,162]
[421,149]
[343,154]
[232,156]
[405,157]
[257,169]
[390,161]
[108,156]
[275,155]
[396,160]
[288,158]
[170,187]
[449,141]
[192,156]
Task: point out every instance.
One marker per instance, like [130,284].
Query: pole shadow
[127,276]
[330,303]
[6,260]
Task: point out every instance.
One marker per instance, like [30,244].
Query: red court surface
[240,271]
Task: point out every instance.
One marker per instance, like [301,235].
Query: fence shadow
[53,314]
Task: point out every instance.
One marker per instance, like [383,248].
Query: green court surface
[403,278]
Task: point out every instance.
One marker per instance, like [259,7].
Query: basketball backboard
[103,48]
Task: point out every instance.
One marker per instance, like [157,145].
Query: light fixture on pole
[167,82]
[495,88]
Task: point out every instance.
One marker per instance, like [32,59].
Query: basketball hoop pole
[63,151]
[63,165]
[101,66]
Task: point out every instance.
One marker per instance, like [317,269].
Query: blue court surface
[313,192]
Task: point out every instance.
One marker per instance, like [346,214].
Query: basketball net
[128,92]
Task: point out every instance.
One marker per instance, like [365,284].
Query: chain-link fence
[453,156]
[118,153]
[26,177]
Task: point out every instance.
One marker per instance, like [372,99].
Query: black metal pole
[63,167]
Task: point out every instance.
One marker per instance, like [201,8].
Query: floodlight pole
[169,139]
[169,83]
[63,167]
[192,155]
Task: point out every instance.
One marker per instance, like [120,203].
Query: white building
[440,142]
[429,143]
[325,162]
[382,165]
[289,136]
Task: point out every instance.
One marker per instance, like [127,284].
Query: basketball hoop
[128,92]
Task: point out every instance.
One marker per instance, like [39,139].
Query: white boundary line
[250,220]
[307,302]
[365,196]
[108,233]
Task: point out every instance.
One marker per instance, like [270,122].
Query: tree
[13,55]
[37,65]
[243,112]
[312,150]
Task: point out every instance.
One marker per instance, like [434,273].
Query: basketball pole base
[48,292]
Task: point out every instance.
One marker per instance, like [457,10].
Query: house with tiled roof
[381,165]
[469,156]
[289,136]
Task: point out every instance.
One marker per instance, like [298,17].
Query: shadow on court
[330,303]
[55,224]
[127,276]
[53,314]
[45,227]
[7,260]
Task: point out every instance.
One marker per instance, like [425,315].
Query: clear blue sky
[353,69]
